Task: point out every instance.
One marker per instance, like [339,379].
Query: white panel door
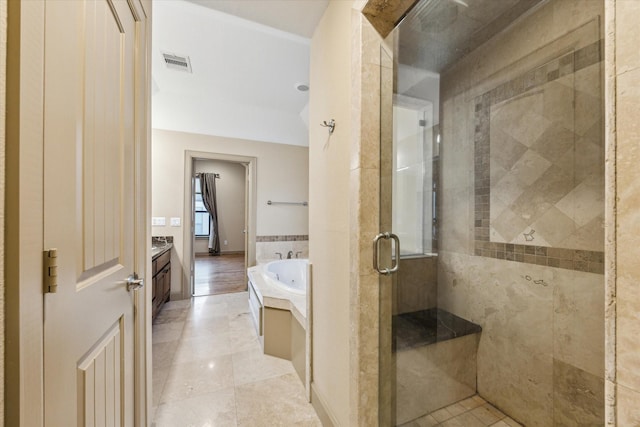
[89,178]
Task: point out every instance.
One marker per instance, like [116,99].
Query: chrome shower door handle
[376,253]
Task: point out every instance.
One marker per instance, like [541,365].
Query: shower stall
[492,179]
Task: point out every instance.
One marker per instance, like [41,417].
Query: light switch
[158,221]
[175,221]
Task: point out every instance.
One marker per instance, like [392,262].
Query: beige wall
[282,175]
[3,82]
[230,195]
[623,327]
[330,84]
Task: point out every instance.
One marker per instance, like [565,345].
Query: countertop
[156,251]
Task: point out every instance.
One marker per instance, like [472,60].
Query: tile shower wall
[522,213]
[416,284]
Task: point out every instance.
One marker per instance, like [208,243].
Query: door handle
[376,253]
[134,283]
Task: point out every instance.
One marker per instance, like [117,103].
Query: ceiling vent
[176,62]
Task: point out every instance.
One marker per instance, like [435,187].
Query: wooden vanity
[161,285]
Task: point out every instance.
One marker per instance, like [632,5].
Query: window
[201,220]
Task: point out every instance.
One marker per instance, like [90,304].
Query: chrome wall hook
[331,125]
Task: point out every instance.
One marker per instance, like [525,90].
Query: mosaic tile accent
[283,238]
[531,171]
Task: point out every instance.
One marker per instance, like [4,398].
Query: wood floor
[222,274]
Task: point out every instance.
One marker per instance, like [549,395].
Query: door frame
[24,303]
[250,211]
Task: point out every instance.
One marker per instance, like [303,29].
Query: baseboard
[319,404]
[198,254]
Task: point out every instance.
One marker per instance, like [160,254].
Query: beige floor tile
[205,347]
[183,304]
[479,400]
[426,421]
[160,376]
[441,415]
[252,366]
[470,403]
[206,311]
[463,420]
[218,324]
[241,323]
[213,409]
[198,377]
[456,409]
[277,401]
[239,342]
[163,354]
[511,422]
[487,414]
[202,347]
[170,315]
[165,332]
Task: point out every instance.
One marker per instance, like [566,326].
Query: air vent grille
[176,62]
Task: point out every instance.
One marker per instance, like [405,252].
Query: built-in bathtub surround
[280,312]
[269,248]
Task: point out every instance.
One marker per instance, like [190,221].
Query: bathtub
[288,274]
[279,284]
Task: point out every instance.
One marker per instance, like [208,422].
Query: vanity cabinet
[161,284]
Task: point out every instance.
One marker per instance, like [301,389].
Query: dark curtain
[208,188]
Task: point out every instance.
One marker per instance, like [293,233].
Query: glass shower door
[492,179]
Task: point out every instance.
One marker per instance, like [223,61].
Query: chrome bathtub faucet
[289,254]
[279,254]
[298,253]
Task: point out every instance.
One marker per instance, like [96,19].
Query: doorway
[219,247]
[225,272]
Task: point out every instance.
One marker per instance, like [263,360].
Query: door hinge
[51,271]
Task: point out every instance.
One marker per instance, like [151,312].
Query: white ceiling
[293,16]
[244,72]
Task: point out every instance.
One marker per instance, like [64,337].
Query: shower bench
[435,359]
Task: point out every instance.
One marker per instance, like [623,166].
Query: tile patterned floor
[209,370]
[471,412]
